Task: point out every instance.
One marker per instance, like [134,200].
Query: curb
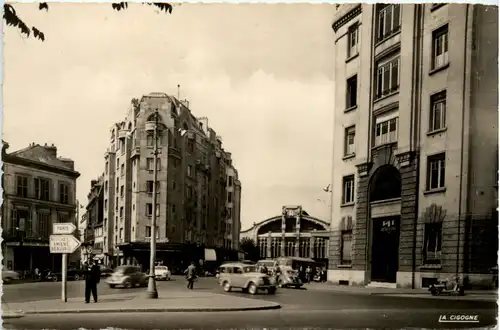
[156,310]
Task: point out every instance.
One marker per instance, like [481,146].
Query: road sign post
[63,242]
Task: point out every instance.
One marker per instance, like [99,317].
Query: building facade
[94,226]
[233,207]
[293,233]
[192,197]
[39,189]
[414,184]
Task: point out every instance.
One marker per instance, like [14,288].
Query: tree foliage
[251,250]
[12,18]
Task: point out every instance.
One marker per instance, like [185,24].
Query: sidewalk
[189,301]
[475,295]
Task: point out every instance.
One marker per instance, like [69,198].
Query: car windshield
[249,269]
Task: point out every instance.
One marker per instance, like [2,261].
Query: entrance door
[385,249]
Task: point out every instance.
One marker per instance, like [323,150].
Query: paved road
[301,308]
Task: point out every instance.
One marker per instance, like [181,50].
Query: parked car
[127,277]
[163,273]
[9,275]
[73,274]
[245,277]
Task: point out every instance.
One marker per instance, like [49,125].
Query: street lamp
[152,292]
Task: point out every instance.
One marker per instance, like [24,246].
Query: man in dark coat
[191,275]
[92,277]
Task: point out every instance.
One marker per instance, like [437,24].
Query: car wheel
[271,290]
[55,279]
[7,280]
[127,284]
[227,287]
[252,289]
[77,277]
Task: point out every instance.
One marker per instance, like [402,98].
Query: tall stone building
[192,192]
[39,189]
[415,181]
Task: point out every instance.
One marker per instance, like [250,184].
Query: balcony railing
[16,234]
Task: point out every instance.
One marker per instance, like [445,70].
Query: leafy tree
[12,18]
[250,248]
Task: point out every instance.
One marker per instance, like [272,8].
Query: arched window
[129,126]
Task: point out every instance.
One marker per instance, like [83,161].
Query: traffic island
[190,301]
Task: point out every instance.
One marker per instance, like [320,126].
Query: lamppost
[152,292]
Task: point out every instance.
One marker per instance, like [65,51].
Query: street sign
[63,244]
[63,228]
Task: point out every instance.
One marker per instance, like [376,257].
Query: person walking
[92,277]
[190,275]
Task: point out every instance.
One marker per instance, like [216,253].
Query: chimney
[51,149]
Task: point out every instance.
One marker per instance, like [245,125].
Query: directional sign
[63,228]
[63,244]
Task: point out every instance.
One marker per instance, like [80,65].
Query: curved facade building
[415,182]
[293,233]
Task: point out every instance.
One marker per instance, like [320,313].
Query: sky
[261,73]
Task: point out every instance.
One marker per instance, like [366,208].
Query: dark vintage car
[73,274]
[105,271]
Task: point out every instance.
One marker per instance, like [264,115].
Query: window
[190,170]
[22,186]
[149,187]
[346,248]
[438,112]
[386,131]
[121,234]
[348,192]
[436,172]
[229,197]
[106,186]
[350,134]
[148,232]
[387,77]
[174,185]
[63,193]
[43,224]
[189,192]
[440,47]
[149,209]
[42,189]
[352,92]
[105,205]
[389,21]
[432,243]
[121,212]
[106,167]
[230,181]
[150,140]
[117,164]
[122,170]
[173,208]
[122,146]
[151,164]
[122,191]
[352,40]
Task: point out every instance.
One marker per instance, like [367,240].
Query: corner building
[415,181]
[193,203]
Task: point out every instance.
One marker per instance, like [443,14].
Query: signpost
[63,242]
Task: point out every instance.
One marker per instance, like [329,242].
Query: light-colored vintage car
[245,277]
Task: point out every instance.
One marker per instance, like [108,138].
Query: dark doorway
[385,249]
[385,184]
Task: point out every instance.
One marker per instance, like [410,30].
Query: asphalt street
[300,308]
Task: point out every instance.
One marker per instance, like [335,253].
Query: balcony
[172,151]
[135,152]
[122,134]
[16,235]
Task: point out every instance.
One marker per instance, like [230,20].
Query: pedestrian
[309,274]
[190,275]
[92,278]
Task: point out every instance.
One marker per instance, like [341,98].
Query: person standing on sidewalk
[190,275]
[92,277]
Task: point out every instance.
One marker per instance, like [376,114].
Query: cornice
[346,18]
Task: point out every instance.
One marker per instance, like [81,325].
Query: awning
[210,255]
